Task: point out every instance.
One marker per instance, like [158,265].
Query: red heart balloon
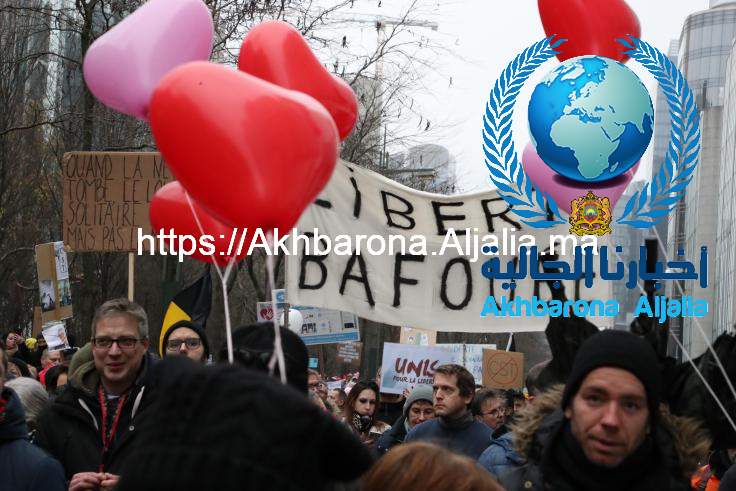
[591,27]
[250,152]
[277,52]
[170,210]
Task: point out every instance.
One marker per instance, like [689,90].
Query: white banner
[470,356]
[437,282]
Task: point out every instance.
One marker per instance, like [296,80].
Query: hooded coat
[69,429]
[501,457]
[23,466]
[680,442]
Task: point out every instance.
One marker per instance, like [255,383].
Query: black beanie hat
[194,327]
[253,346]
[618,349]
[226,428]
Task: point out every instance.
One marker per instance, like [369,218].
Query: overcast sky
[486,35]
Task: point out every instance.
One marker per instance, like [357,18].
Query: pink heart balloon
[564,190]
[124,65]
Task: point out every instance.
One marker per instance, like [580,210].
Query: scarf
[459,423]
[565,467]
[362,423]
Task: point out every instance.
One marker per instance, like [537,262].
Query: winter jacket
[469,437]
[394,436]
[680,442]
[23,466]
[501,457]
[69,429]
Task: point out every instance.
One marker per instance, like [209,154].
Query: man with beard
[606,431]
[454,426]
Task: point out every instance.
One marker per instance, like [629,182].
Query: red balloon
[277,52]
[170,210]
[591,27]
[250,152]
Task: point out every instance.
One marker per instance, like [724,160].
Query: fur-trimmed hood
[535,424]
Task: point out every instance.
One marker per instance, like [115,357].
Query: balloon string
[705,382]
[278,352]
[700,328]
[223,281]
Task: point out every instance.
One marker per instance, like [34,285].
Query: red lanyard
[103,407]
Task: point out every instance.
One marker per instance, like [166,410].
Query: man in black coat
[23,466]
[91,427]
[606,430]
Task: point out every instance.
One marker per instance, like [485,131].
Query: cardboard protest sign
[106,198]
[410,258]
[419,337]
[406,365]
[503,369]
[37,326]
[349,354]
[55,335]
[54,291]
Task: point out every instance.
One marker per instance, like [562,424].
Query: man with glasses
[187,339]
[489,407]
[91,427]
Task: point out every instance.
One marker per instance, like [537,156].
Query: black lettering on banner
[319,260]
[440,218]
[323,203]
[468,284]
[362,278]
[358,197]
[503,215]
[390,211]
[400,280]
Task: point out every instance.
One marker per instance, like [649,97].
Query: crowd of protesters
[112,415]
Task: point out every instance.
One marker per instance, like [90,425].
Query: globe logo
[591,119]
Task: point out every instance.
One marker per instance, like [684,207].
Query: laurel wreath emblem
[645,208]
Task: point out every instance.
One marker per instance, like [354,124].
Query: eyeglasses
[175,344]
[104,342]
[495,413]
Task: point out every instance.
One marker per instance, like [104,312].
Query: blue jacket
[501,457]
[468,436]
[391,438]
[23,466]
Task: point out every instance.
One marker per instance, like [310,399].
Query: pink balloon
[124,65]
[564,190]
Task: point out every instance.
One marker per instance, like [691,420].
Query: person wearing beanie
[253,347]
[605,430]
[227,428]
[418,408]
[187,339]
